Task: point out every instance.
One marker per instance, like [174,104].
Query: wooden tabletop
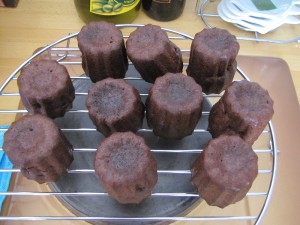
[36,23]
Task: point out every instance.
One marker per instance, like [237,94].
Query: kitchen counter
[36,23]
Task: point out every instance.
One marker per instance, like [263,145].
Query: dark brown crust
[212,60]
[152,53]
[103,51]
[114,105]
[125,167]
[244,109]
[174,106]
[37,146]
[225,171]
[46,88]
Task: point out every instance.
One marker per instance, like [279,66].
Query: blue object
[4,164]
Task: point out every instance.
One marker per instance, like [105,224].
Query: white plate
[242,24]
[283,8]
[233,12]
[245,22]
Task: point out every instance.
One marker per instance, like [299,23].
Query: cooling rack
[207,10]
[66,52]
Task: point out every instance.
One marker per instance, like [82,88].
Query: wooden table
[35,23]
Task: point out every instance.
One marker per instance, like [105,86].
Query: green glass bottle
[114,11]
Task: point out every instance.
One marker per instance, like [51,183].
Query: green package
[262,5]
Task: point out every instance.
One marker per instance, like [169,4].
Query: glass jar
[163,10]
[114,11]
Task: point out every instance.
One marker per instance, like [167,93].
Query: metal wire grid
[201,9]
[68,54]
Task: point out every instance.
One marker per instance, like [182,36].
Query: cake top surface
[177,92]
[216,41]
[248,99]
[230,161]
[43,79]
[111,99]
[147,40]
[123,156]
[30,138]
[99,36]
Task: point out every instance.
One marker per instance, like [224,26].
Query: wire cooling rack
[207,10]
[66,52]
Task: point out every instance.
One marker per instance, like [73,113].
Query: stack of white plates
[261,16]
